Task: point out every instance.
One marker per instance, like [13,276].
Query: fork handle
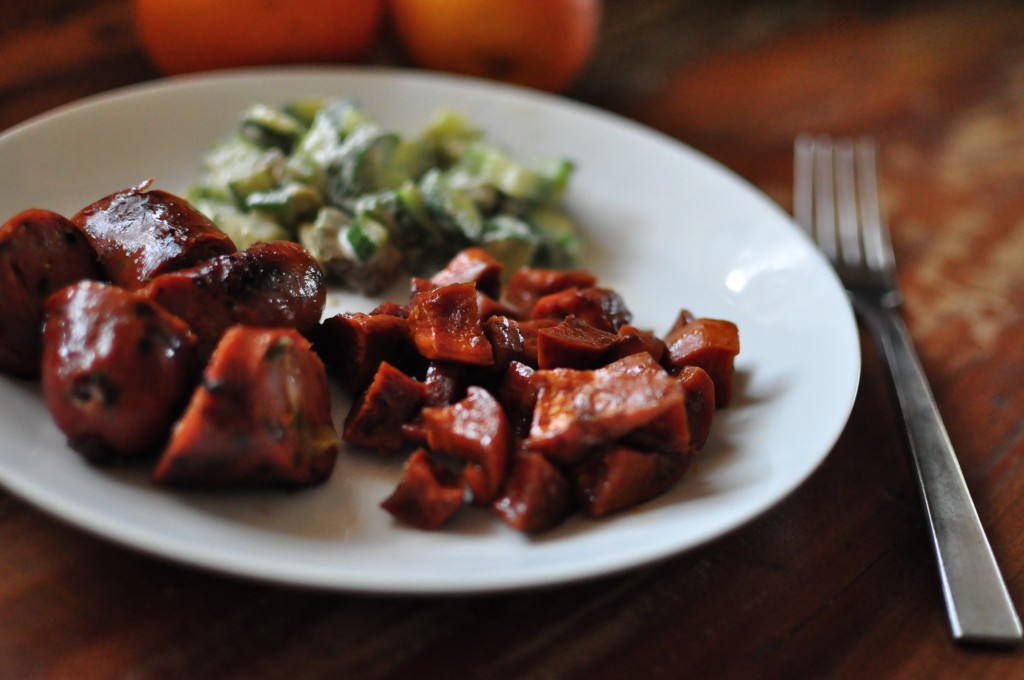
[979,605]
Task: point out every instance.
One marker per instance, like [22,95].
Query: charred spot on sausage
[94,388]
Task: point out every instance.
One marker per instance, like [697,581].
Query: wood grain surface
[836,581]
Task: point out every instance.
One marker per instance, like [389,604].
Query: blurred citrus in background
[181,36]
[543,44]
[538,43]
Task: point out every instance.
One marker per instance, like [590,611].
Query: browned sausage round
[275,285]
[262,416]
[140,234]
[40,252]
[117,370]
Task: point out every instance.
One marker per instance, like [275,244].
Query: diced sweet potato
[427,495]
[537,497]
[699,396]
[635,340]
[573,343]
[711,344]
[600,307]
[377,416]
[623,477]
[529,284]
[577,410]
[446,383]
[472,265]
[506,338]
[445,325]
[261,417]
[518,396]
[474,430]
[530,330]
[353,346]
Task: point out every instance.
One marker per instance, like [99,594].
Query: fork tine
[877,242]
[846,203]
[803,183]
[824,199]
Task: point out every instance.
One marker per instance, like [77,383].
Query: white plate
[667,227]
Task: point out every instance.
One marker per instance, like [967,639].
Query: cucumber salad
[371,204]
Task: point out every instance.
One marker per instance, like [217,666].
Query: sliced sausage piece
[623,477]
[711,344]
[445,325]
[141,234]
[271,285]
[117,370]
[537,497]
[40,252]
[474,430]
[428,494]
[261,417]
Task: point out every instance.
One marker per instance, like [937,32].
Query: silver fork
[836,201]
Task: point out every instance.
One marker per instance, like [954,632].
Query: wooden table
[838,580]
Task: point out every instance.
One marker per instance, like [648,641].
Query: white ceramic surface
[667,227]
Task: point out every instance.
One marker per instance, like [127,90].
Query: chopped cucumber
[266,127]
[367,201]
[244,229]
[288,204]
[511,240]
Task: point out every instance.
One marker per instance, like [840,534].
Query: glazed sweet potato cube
[353,346]
[573,343]
[427,495]
[635,340]
[377,416]
[474,430]
[445,325]
[537,496]
[622,477]
[669,432]
[684,317]
[518,396]
[506,338]
[530,329]
[390,308]
[711,344]
[261,416]
[446,382]
[600,307]
[577,411]
[529,284]
[699,396]
[472,265]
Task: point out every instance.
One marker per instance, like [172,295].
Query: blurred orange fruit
[181,36]
[543,44]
